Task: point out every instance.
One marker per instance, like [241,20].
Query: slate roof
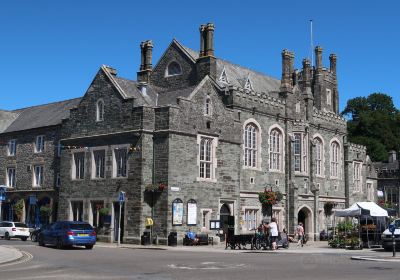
[42,115]
[170,97]
[131,90]
[237,75]
[6,118]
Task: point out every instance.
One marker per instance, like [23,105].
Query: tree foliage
[374,122]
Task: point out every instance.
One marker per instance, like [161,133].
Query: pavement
[9,254]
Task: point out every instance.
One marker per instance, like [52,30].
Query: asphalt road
[117,263]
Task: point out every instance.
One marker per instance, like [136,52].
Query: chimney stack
[306,73]
[207,40]
[392,156]
[206,64]
[318,57]
[287,70]
[146,66]
[332,60]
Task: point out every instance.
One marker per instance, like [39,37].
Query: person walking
[300,234]
[273,232]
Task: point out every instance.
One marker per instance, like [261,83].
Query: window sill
[276,171]
[320,176]
[120,178]
[36,187]
[97,179]
[252,168]
[77,180]
[199,179]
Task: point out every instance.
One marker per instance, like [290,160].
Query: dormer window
[207,106]
[248,85]
[224,77]
[100,110]
[173,69]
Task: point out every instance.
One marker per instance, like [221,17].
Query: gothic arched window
[100,111]
[250,145]
[174,69]
[335,157]
[275,149]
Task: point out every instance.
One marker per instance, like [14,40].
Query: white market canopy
[362,208]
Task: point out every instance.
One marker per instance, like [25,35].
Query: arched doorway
[227,221]
[304,216]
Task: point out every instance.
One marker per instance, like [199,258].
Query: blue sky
[51,50]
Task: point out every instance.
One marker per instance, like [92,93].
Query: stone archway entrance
[304,216]
[227,221]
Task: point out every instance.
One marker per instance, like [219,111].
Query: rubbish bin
[145,238]
[173,238]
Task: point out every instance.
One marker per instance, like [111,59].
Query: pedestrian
[273,233]
[192,237]
[300,234]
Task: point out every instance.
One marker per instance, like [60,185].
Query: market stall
[370,220]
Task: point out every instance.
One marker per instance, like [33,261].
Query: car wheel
[40,241]
[34,237]
[59,244]
[7,236]
[89,247]
[24,238]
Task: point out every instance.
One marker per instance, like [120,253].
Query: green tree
[374,121]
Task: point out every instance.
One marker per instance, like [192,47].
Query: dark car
[67,233]
[35,233]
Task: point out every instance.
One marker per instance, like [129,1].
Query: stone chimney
[206,64]
[392,156]
[146,66]
[287,70]
[332,60]
[207,40]
[318,58]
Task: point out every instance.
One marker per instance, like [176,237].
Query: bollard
[394,245]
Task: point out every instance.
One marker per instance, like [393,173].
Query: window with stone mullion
[99,158]
[334,159]
[79,159]
[297,152]
[121,161]
[250,149]
[11,177]
[205,158]
[319,157]
[275,150]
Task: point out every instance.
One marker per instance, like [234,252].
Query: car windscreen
[80,227]
[20,225]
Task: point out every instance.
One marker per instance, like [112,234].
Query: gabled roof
[238,75]
[42,115]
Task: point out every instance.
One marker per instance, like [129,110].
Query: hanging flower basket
[328,208]
[156,187]
[269,197]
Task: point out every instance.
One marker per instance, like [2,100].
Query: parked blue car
[67,233]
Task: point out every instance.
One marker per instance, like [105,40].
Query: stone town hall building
[209,133]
